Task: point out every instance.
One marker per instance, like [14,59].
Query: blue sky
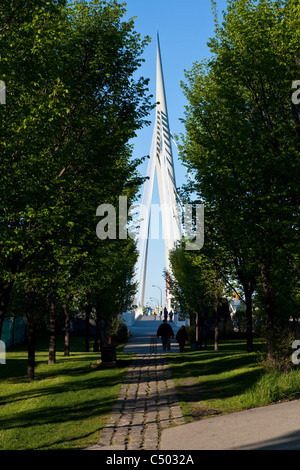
[184,28]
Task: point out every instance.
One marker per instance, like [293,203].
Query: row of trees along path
[74,101]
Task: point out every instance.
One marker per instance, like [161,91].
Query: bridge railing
[179,321]
[130,317]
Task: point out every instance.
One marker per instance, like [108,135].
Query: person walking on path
[182,337]
[171,315]
[165,313]
[166,332]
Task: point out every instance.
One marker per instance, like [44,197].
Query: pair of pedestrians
[166,332]
[166,314]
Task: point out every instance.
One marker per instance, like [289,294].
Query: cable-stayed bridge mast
[161,161]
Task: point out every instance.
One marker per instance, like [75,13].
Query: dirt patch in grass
[199,412]
[193,393]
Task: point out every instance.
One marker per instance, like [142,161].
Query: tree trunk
[201,335]
[196,327]
[6,288]
[249,328]
[105,328]
[101,327]
[67,332]
[269,312]
[30,297]
[205,333]
[31,350]
[216,337]
[97,335]
[205,327]
[52,342]
[87,328]
[248,281]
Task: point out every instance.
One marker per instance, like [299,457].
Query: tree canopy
[73,103]
[242,144]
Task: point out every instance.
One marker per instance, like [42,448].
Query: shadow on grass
[58,414]
[201,363]
[75,377]
[215,375]
[98,379]
[69,396]
[219,389]
[16,363]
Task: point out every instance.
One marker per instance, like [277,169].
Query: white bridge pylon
[161,161]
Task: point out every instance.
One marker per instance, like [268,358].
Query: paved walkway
[141,333]
[147,402]
[148,405]
[273,427]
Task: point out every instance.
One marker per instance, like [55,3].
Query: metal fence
[13,331]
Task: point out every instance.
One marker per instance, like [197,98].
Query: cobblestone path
[147,404]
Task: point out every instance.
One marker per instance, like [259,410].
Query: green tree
[242,141]
[72,107]
[198,289]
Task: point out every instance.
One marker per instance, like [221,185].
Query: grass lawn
[212,382]
[65,407]
[68,403]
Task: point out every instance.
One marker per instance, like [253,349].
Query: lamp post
[153,298]
[160,295]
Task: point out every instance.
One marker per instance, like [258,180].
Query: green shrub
[191,331]
[273,387]
[281,358]
[122,333]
